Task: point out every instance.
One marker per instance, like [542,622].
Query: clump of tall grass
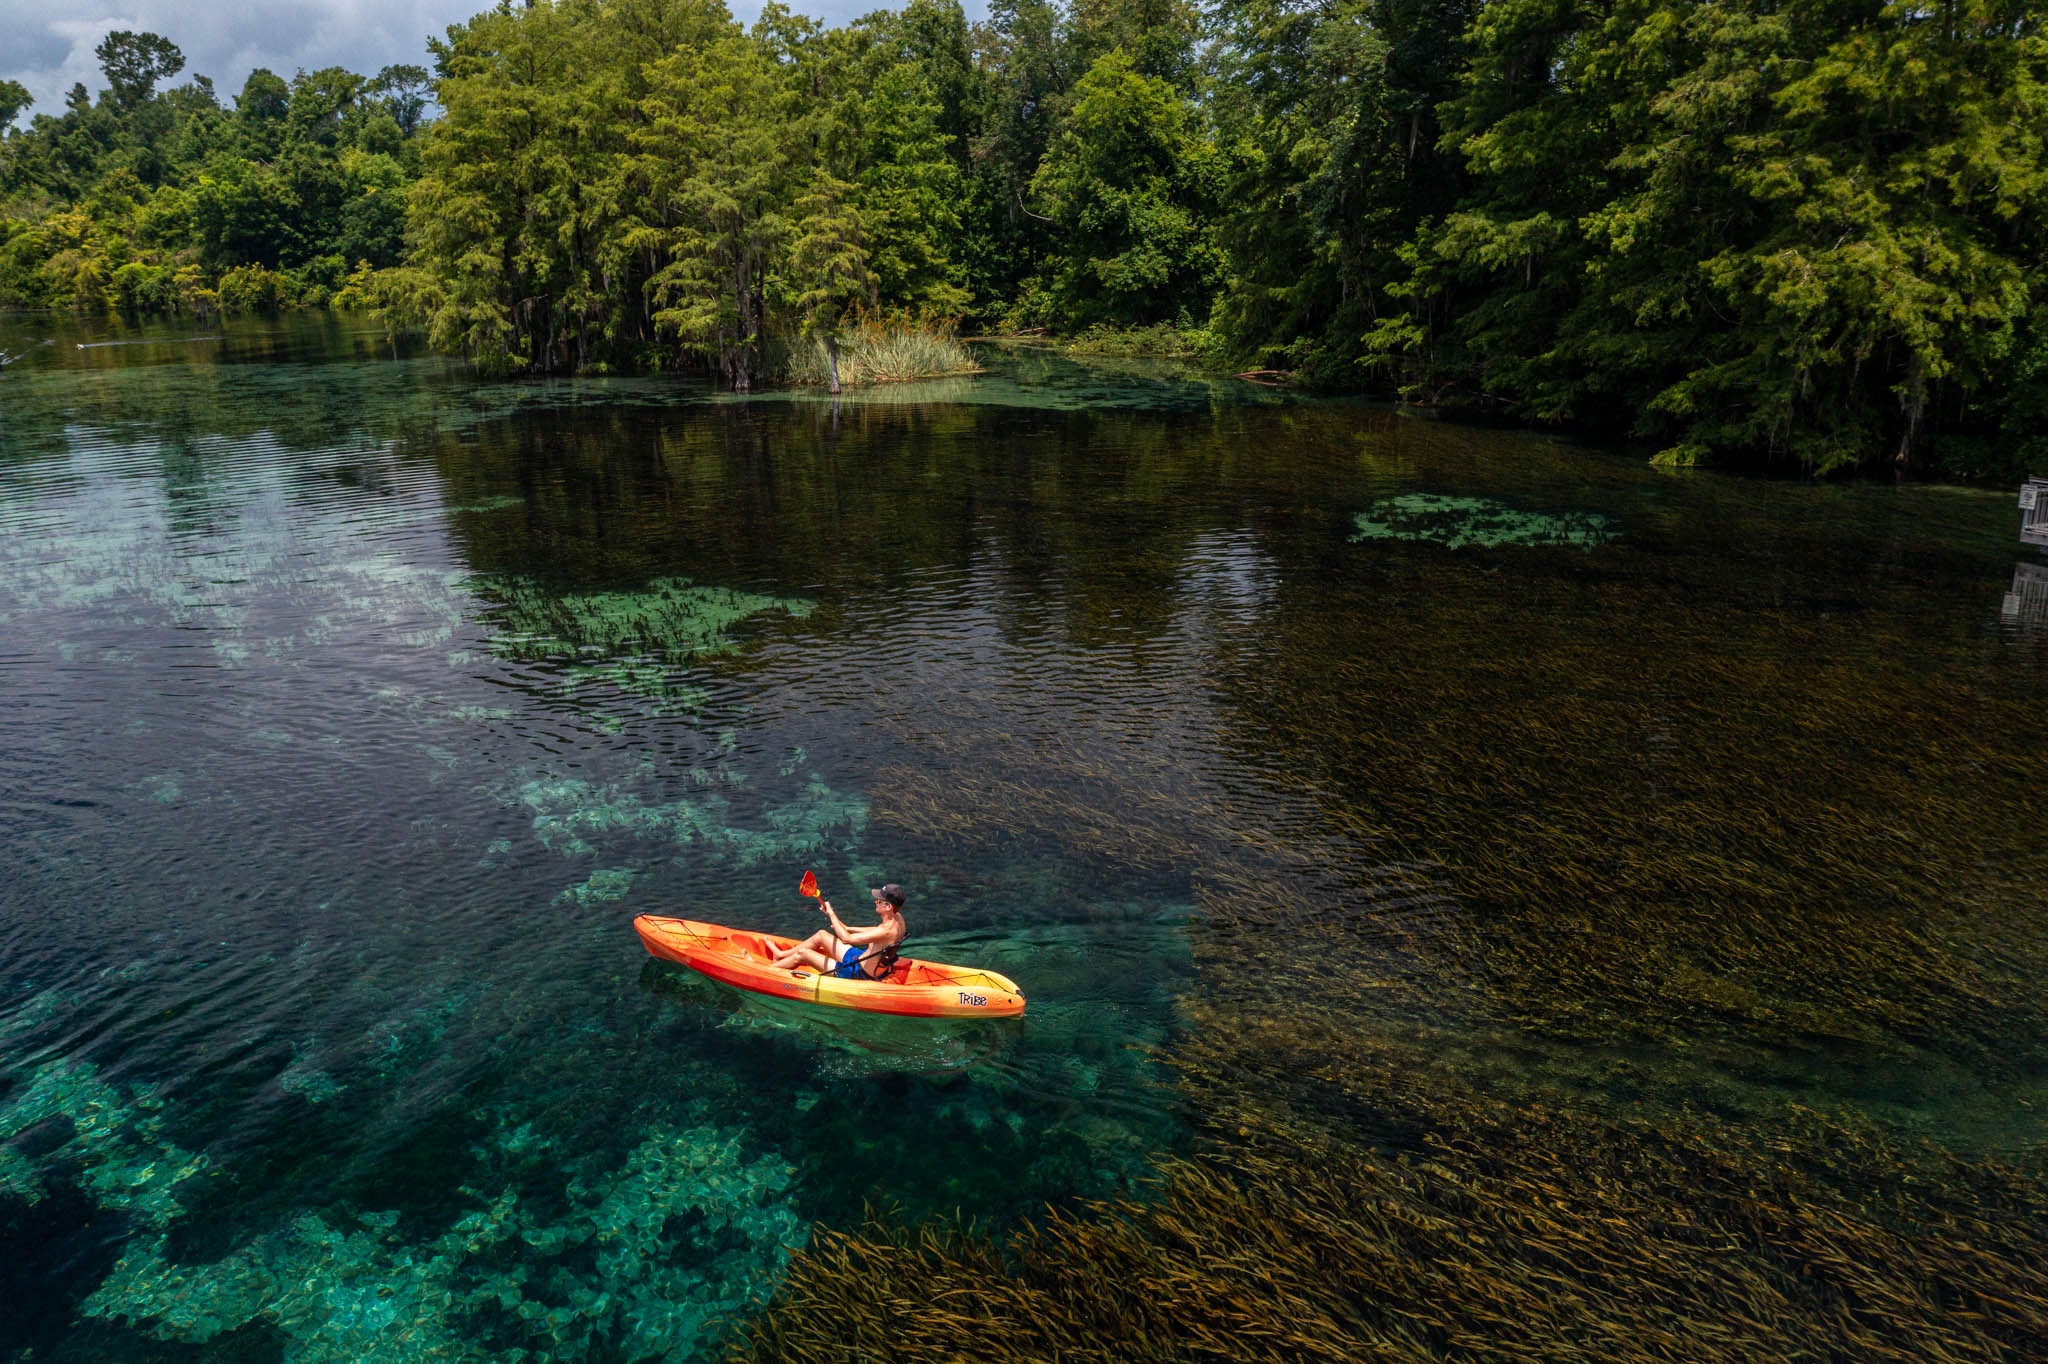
[880,352]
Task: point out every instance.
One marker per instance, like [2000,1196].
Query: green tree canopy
[1128,184]
[14,99]
[133,63]
[260,112]
[403,92]
[1813,227]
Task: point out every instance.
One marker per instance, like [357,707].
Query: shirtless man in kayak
[853,953]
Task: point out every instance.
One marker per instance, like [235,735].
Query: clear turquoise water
[355,707]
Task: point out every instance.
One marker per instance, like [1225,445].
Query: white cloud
[49,43]
[74,40]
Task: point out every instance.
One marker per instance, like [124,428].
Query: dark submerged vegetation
[1541,1091]
[1808,231]
[1528,1235]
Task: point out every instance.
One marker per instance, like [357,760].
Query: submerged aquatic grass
[1535,1017]
[1502,1232]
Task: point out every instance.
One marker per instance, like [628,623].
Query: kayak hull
[915,989]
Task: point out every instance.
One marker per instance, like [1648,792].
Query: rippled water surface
[353,707]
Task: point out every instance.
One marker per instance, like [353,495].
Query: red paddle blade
[809,886]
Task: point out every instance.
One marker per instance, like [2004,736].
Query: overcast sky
[47,44]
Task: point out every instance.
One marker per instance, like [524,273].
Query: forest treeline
[1813,230]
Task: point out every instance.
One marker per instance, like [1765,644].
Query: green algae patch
[571,818]
[568,815]
[600,887]
[1477,523]
[817,820]
[672,619]
[631,642]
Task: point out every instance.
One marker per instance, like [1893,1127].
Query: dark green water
[353,708]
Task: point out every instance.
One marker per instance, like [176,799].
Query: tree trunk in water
[832,356]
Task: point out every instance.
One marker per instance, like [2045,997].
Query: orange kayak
[915,989]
